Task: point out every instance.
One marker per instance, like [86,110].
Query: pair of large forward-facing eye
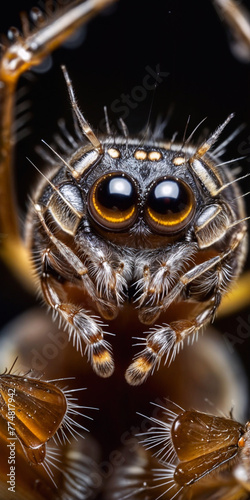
[114,203]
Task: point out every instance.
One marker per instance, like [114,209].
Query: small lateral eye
[170,205]
[113,201]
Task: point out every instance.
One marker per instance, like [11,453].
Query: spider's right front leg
[82,326]
[61,267]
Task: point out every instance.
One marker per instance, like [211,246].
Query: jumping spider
[147,224]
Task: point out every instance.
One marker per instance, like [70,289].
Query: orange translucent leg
[21,55]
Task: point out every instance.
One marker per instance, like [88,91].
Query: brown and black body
[149,228]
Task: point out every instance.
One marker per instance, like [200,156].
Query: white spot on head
[114,153]
[154,156]
[179,160]
[140,154]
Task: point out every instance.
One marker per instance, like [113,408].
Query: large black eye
[170,205]
[113,201]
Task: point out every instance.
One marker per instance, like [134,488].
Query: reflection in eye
[170,205]
[113,201]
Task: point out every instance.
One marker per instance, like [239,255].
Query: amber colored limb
[12,249]
[33,428]
[195,434]
[237,19]
[20,56]
[31,50]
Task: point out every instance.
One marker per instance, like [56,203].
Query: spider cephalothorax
[147,224]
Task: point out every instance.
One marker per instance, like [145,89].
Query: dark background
[186,39]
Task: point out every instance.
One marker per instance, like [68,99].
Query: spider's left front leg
[206,282]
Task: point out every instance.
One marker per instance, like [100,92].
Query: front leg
[167,340]
[82,326]
[59,265]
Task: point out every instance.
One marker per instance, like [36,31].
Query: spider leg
[237,19]
[166,340]
[82,326]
